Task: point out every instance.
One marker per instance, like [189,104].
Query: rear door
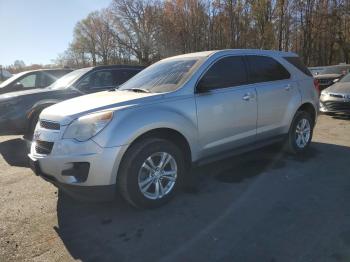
[97,81]
[277,95]
[227,113]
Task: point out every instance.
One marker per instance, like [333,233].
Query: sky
[36,31]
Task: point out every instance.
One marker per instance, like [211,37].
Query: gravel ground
[261,206]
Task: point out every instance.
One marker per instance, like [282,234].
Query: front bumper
[57,166]
[335,105]
[90,193]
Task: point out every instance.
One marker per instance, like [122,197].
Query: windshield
[11,79]
[68,79]
[164,76]
[345,79]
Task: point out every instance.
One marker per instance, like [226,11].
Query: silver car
[186,110]
[336,98]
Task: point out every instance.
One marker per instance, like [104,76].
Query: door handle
[287,87]
[246,97]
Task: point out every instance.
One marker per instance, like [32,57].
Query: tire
[133,173]
[295,143]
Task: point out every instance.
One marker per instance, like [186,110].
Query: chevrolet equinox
[143,137]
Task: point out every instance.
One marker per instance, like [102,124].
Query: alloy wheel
[302,133]
[157,175]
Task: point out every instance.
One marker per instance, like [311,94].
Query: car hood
[66,111]
[18,94]
[328,76]
[342,88]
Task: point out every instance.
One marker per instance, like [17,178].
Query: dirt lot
[261,206]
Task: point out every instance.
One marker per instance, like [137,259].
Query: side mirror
[18,86]
[203,87]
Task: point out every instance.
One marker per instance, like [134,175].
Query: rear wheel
[150,172]
[300,132]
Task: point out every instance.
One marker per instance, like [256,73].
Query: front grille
[325,82]
[337,105]
[43,147]
[49,125]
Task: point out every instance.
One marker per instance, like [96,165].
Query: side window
[265,69]
[123,75]
[227,72]
[97,80]
[29,81]
[45,79]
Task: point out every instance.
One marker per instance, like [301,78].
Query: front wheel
[150,172]
[300,133]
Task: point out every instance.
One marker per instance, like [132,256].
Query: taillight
[317,86]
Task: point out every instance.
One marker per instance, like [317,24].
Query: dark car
[32,79]
[19,111]
[330,74]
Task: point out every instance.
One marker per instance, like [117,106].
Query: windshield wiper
[138,90]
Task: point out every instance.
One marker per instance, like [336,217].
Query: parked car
[336,98]
[184,110]
[331,74]
[19,111]
[316,70]
[32,79]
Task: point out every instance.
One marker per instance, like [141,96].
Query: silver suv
[183,110]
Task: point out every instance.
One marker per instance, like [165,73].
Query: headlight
[324,93]
[86,127]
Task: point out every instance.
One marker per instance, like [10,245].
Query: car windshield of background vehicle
[332,70]
[164,76]
[69,79]
[345,79]
[11,79]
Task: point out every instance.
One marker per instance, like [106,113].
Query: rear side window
[97,80]
[227,72]
[45,79]
[295,61]
[265,69]
[59,73]
[123,75]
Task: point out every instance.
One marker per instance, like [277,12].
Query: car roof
[45,70]
[237,51]
[118,67]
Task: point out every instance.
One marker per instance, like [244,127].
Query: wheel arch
[309,108]
[169,134]
[36,108]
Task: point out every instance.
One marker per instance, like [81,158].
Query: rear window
[265,69]
[295,61]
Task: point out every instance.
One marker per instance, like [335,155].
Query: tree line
[144,31]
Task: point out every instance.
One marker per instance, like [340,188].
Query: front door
[227,111]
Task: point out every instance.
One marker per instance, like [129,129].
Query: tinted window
[265,69]
[59,73]
[28,81]
[45,80]
[123,75]
[227,72]
[295,61]
[97,80]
